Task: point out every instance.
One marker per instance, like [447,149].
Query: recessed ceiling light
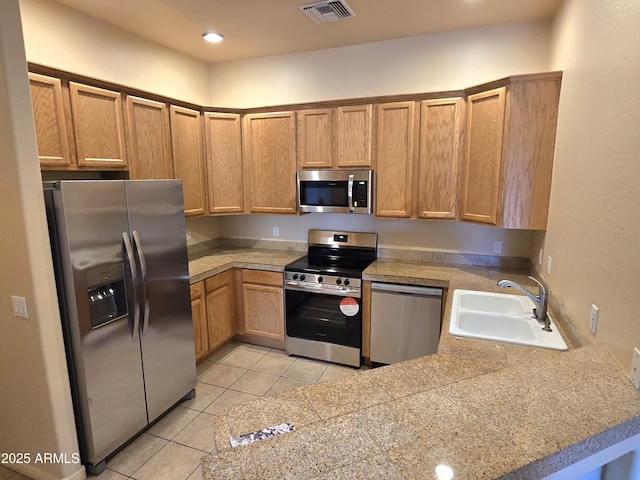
[212,37]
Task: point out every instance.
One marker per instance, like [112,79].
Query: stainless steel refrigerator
[120,258]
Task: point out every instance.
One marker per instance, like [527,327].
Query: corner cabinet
[508,161]
[269,144]
[148,139]
[223,147]
[263,304]
[188,159]
[212,312]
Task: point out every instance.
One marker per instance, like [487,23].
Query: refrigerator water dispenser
[106,293]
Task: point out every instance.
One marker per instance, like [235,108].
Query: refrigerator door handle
[143,274]
[134,280]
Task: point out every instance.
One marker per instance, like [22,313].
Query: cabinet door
[148,139]
[224,163]
[528,159]
[353,134]
[263,304]
[315,138]
[396,151]
[480,193]
[439,158]
[98,126]
[199,316]
[188,160]
[270,155]
[220,315]
[52,132]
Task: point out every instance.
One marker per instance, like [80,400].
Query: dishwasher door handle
[406,289]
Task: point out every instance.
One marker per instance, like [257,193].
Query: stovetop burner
[335,262]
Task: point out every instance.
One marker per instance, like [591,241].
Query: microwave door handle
[143,275]
[350,193]
[134,281]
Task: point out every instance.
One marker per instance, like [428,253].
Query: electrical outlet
[188,234]
[497,247]
[593,319]
[634,373]
[276,231]
[549,265]
[540,257]
[19,306]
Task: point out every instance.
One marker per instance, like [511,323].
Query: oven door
[323,317]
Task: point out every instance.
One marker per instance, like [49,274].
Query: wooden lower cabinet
[212,311]
[263,304]
[199,316]
[219,295]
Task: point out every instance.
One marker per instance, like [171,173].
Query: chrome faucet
[540,312]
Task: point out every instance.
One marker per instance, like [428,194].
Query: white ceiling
[258,28]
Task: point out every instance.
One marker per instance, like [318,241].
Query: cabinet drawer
[196,290]
[217,281]
[262,277]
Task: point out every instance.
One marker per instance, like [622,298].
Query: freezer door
[157,223]
[107,373]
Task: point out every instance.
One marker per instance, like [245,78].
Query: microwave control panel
[360,193]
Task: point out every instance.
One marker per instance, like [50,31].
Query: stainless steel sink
[500,317]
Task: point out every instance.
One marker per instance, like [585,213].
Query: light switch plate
[634,373]
[19,306]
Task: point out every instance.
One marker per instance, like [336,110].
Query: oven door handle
[323,290]
[350,193]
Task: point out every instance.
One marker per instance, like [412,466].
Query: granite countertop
[216,260]
[485,409]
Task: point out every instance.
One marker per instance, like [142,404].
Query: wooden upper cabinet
[188,159]
[439,159]
[269,143]
[483,156]
[510,138]
[98,125]
[396,149]
[148,139]
[315,138]
[353,134]
[55,139]
[223,141]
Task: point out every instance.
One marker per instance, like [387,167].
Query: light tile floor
[172,449]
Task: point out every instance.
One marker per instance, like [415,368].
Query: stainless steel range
[324,299]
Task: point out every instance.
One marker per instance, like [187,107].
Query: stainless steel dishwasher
[405,321]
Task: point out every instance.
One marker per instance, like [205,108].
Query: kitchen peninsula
[485,409]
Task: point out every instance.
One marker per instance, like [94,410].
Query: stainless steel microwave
[335,191]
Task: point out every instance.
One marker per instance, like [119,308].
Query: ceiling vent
[323,12]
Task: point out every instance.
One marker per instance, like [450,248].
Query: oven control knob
[320,279]
[347,282]
[339,281]
[303,278]
[295,276]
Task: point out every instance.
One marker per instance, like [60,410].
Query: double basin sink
[500,317]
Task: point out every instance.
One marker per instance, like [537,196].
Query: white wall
[426,63]
[59,37]
[594,224]
[36,414]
